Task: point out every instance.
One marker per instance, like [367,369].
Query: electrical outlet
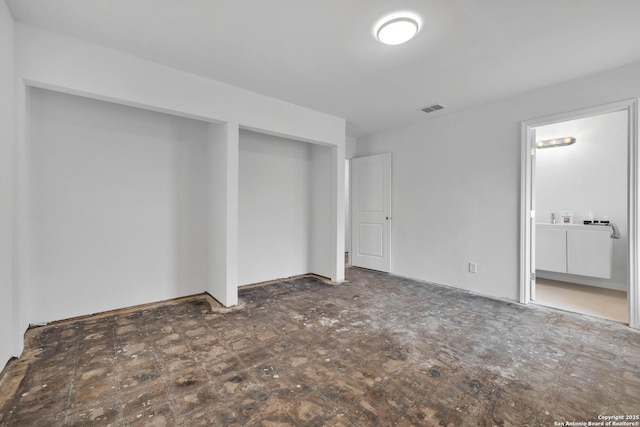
[473,267]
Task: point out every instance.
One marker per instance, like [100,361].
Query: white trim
[525,213]
[633,293]
[527,131]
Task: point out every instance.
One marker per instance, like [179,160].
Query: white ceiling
[321,54]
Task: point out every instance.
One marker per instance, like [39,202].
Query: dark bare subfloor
[377,351]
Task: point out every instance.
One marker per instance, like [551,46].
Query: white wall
[9,327]
[590,175]
[350,147]
[347,204]
[456,183]
[119,206]
[223,212]
[274,219]
[323,180]
[350,153]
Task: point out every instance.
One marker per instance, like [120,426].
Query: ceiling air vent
[432,108]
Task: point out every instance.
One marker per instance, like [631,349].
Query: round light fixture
[397,31]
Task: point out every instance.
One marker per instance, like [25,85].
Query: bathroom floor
[378,350]
[590,300]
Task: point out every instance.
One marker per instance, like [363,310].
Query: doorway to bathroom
[582,267]
[580,212]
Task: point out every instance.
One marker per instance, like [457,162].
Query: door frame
[527,216]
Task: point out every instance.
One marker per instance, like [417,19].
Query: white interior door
[371,212]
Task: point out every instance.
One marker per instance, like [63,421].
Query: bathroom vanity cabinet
[585,250]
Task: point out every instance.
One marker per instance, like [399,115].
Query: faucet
[553,218]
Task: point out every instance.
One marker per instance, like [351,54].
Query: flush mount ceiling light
[397,30]
[557,142]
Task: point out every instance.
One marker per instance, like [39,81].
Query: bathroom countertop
[590,227]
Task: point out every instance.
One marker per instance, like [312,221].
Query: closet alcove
[124,206]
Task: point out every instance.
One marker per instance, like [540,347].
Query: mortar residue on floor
[378,350]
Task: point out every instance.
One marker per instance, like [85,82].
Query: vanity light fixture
[397,30]
[557,142]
